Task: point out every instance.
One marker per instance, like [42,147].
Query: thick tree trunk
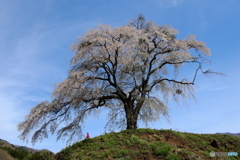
[132,112]
[131,116]
[131,122]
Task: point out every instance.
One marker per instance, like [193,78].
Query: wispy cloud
[168,3]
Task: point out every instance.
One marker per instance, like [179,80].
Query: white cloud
[168,3]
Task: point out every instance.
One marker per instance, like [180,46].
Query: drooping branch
[75,124]
[36,116]
[42,132]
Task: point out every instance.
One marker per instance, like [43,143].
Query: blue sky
[34,51]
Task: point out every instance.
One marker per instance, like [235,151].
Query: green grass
[150,144]
[136,144]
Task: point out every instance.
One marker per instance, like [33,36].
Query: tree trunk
[131,116]
[131,122]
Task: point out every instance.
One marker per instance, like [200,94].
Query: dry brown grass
[4,155]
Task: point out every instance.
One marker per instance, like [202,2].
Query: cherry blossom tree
[121,70]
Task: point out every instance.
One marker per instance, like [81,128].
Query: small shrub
[154,145]
[162,151]
[128,143]
[134,139]
[142,142]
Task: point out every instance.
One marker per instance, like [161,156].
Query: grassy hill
[152,144]
[136,144]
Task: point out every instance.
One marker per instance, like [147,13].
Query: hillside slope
[152,144]
[4,155]
[9,151]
